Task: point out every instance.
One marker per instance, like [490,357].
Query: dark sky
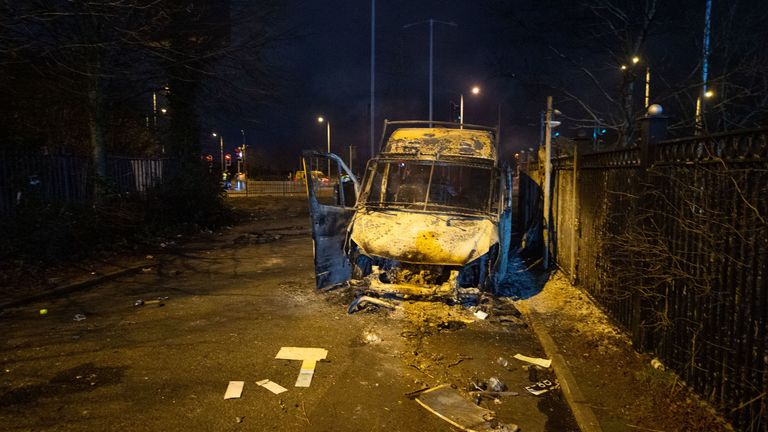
[326,70]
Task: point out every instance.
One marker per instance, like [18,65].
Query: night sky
[325,69]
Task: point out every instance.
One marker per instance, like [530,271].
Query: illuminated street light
[163,110]
[475,90]
[623,67]
[635,60]
[709,94]
[214,134]
[321,119]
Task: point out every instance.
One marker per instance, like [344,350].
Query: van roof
[443,142]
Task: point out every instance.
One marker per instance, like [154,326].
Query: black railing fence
[671,239]
[60,179]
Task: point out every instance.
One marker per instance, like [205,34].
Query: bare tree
[94,59]
[596,55]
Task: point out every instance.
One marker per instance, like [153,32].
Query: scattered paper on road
[272,386]
[309,358]
[545,363]
[298,353]
[234,390]
[482,315]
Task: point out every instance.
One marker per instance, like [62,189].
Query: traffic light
[227,159]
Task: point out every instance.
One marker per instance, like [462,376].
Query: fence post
[574,211]
[653,128]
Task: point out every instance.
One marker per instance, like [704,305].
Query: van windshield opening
[430,186]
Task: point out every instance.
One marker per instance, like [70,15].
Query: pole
[647,87]
[221,151]
[699,119]
[574,211]
[461,112]
[350,159]
[432,23]
[373,69]
[154,109]
[547,178]
[328,130]
[244,160]
[431,61]
[498,129]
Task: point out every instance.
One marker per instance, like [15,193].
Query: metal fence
[58,179]
[280,188]
[671,238]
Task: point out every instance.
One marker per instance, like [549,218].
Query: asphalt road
[233,301]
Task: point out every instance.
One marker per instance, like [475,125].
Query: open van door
[331,208]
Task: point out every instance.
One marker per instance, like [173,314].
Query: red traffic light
[209,158]
[228,156]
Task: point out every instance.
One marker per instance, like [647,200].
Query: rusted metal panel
[435,142]
[423,238]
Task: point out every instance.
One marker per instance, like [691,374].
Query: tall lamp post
[327,122]
[432,23]
[221,149]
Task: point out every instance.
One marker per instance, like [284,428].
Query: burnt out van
[430,217]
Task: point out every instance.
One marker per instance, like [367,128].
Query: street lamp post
[321,119]
[221,148]
[431,55]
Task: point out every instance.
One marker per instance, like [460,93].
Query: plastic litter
[43,311]
[79,317]
[481,315]
[656,364]
[496,385]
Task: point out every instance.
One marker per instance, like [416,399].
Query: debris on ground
[272,386]
[480,314]
[159,301]
[494,393]
[656,364]
[448,404]
[496,385]
[43,311]
[542,387]
[363,301]
[234,390]
[501,361]
[545,363]
[239,419]
[146,269]
[309,358]
[370,337]
[459,358]
[78,317]
[257,238]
